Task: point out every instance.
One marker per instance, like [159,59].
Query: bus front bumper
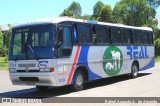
[32,78]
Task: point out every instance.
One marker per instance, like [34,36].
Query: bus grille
[28,71]
[27,65]
[28,78]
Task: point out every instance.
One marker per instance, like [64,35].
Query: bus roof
[66,18]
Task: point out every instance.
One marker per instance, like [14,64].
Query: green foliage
[106,14]
[136,13]
[97,9]
[133,12]
[4,46]
[157,46]
[153,3]
[3,63]
[157,59]
[87,17]
[74,10]
[66,12]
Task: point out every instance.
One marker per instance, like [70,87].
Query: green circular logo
[112,61]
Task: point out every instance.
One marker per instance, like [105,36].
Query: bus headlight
[12,70]
[47,69]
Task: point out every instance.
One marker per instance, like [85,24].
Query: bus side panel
[65,67]
[148,62]
[95,59]
[115,61]
[87,60]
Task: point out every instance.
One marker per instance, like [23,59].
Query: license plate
[30,83]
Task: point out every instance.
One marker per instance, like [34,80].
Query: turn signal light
[51,69]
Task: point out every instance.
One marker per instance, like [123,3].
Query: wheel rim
[79,80]
[135,70]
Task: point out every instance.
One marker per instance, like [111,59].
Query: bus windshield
[32,42]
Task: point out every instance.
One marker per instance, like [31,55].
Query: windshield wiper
[19,54]
[33,52]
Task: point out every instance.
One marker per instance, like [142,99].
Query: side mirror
[59,44]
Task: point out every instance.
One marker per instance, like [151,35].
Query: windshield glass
[33,42]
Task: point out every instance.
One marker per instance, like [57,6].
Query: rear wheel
[42,88]
[134,70]
[79,80]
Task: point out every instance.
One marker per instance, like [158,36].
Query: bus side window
[138,37]
[94,34]
[84,33]
[75,35]
[116,35]
[141,37]
[150,38]
[126,36]
[64,42]
[102,35]
[145,37]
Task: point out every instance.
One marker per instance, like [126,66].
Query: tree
[87,17]
[66,12]
[97,9]
[153,3]
[74,10]
[1,44]
[5,45]
[133,12]
[157,46]
[106,14]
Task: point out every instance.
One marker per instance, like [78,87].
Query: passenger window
[126,36]
[101,34]
[151,38]
[138,37]
[115,35]
[64,42]
[145,37]
[84,33]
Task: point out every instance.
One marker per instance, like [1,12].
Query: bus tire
[79,80]
[134,70]
[42,88]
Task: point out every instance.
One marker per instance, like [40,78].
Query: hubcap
[135,71]
[79,80]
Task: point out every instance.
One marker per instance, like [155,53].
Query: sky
[18,11]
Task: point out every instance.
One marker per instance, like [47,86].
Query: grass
[157,59]
[3,63]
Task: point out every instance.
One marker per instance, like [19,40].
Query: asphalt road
[146,85]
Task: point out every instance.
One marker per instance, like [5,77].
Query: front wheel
[79,81]
[134,70]
[42,88]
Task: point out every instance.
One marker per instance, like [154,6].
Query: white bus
[67,51]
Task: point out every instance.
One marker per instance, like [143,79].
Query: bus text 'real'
[136,52]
